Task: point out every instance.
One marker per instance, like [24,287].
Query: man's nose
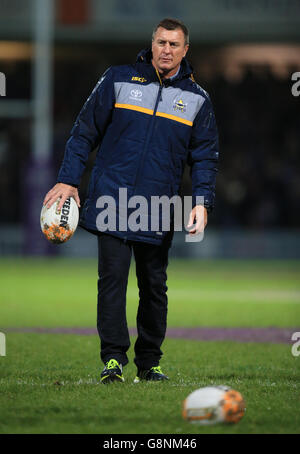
[167,48]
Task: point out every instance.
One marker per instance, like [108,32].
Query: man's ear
[186,48]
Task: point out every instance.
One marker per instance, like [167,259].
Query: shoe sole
[112,378]
[138,380]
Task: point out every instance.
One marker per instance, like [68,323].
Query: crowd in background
[258,184]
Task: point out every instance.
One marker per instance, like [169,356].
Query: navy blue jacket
[145,130]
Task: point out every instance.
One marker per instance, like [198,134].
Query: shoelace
[112,364]
[156,369]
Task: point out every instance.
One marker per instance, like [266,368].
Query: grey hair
[173,24]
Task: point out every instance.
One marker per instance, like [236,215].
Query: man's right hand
[63,191]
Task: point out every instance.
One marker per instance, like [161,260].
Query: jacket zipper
[150,130]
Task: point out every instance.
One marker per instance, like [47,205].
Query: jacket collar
[144,58]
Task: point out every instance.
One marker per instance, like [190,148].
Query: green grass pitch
[49,383]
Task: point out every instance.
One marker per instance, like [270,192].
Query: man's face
[168,49]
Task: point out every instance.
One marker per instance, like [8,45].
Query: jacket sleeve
[203,155]
[88,130]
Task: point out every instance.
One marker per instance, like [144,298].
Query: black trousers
[113,267]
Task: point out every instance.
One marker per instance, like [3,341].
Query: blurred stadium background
[244,54]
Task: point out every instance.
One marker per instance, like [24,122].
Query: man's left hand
[198,214]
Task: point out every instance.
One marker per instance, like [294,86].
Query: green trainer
[153,374]
[112,372]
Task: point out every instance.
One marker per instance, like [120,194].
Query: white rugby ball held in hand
[58,226]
